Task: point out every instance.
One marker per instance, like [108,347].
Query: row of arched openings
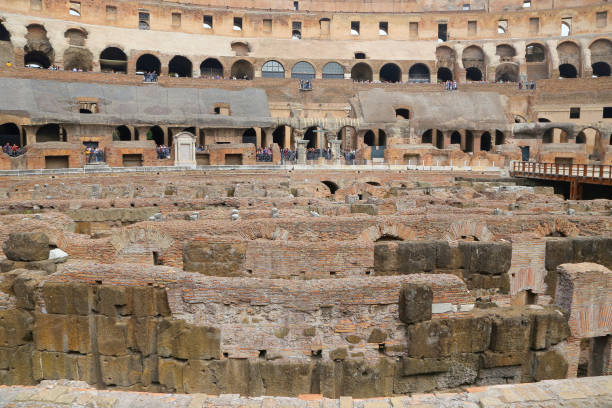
[487,140]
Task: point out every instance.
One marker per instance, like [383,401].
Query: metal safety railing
[535,169]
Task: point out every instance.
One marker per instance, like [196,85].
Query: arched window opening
[473,74]
[148,63]
[9,133]
[333,70]
[211,68]
[390,73]
[418,73]
[444,74]
[156,134]
[505,52]
[485,142]
[4,34]
[507,72]
[382,138]
[548,136]
[601,69]
[361,72]
[455,138]
[122,133]
[333,187]
[499,138]
[567,71]
[278,137]
[535,53]
[180,66]
[369,138]
[36,59]
[311,136]
[388,237]
[303,70]
[51,133]
[242,69]
[272,69]
[427,137]
[114,60]
[565,29]
[402,113]
[249,136]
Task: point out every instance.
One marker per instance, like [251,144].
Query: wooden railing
[559,170]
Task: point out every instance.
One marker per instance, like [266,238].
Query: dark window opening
[402,113]
[607,112]
[601,69]
[355,27]
[211,68]
[156,258]
[262,354]
[180,66]
[390,73]
[207,22]
[360,55]
[442,34]
[567,71]
[4,34]
[296,5]
[388,237]
[383,28]
[574,113]
[485,142]
[444,74]
[143,20]
[473,74]
[333,187]
[237,24]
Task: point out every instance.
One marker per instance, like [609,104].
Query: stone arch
[242,69]
[569,59]
[397,232]
[445,57]
[402,113]
[211,68]
[536,56]
[552,134]
[122,133]
[78,58]
[461,230]
[272,69]
[601,69]
[51,132]
[419,73]
[10,133]
[333,187]
[361,72]
[500,138]
[485,142]
[180,66]
[505,52]
[113,59]
[369,138]
[148,63]
[390,72]
[333,70]
[263,231]
[507,72]
[473,74]
[455,138]
[4,33]
[76,36]
[592,137]
[38,49]
[303,70]
[601,56]
[559,227]
[6,47]
[444,74]
[156,134]
[473,57]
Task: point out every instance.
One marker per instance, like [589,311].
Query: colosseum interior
[306,204]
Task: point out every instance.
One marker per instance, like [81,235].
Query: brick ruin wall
[166,330]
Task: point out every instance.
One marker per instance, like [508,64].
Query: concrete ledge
[108,170]
[582,392]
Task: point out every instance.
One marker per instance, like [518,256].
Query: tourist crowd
[305,84]
[94,155]
[13,150]
[150,76]
[163,152]
[264,155]
[450,85]
[526,85]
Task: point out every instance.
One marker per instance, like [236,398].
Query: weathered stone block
[113,301]
[15,328]
[185,341]
[112,335]
[414,366]
[62,333]
[16,365]
[66,298]
[281,378]
[58,366]
[142,335]
[416,256]
[24,287]
[370,209]
[558,251]
[549,365]
[487,258]
[490,359]
[550,328]
[338,354]
[26,246]
[124,371]
[377,336]
[415,303]
[48,265]
[170,374]
[511,332]
[593,249]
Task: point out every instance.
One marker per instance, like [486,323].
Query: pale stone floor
[583,392]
